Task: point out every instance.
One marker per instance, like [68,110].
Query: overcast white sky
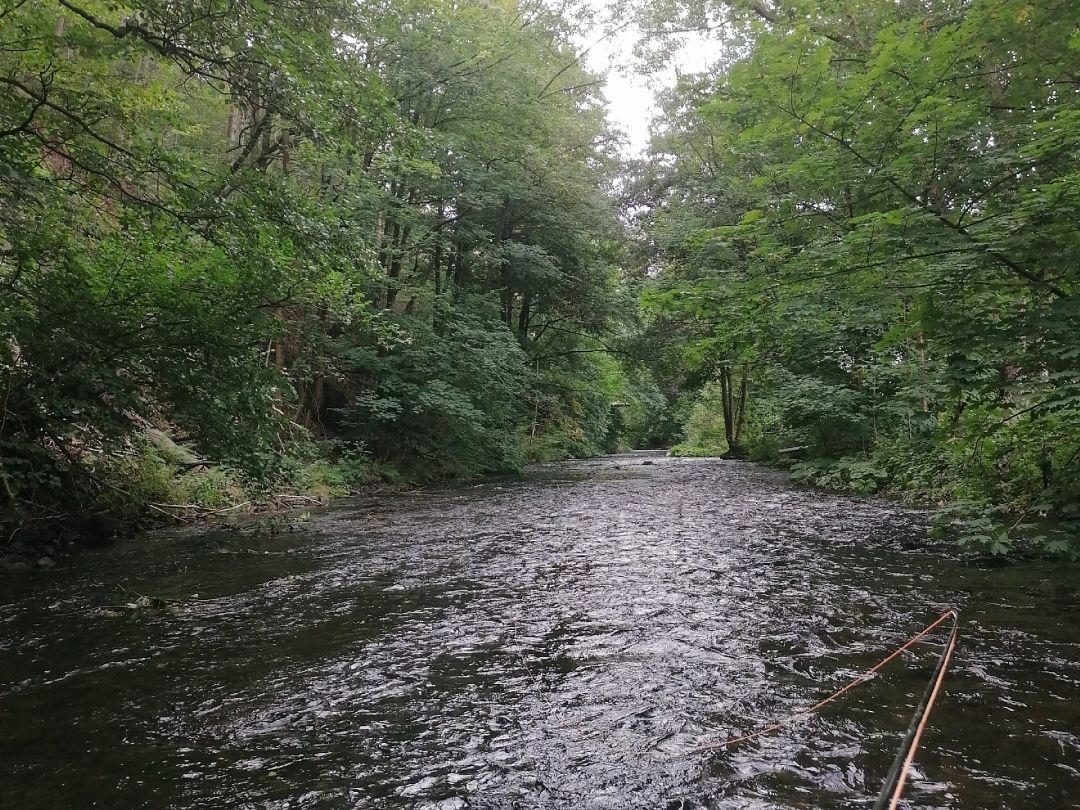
[630,95]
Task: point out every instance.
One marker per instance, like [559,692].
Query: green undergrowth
[318,470]
[1006,501]
[146,485]
[1004,493]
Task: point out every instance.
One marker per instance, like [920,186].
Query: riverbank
[39,543]
[1028,523]
[161,484]
[151,491]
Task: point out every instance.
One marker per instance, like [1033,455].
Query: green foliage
[704,429]
[445,404]
[322,244]
[213,488]
[874,214]
[137,479]
[687,450]
[859,476]
[572,413]
[638,417]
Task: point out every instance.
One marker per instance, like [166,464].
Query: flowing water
[565,641]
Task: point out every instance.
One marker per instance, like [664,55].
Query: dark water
[559,642]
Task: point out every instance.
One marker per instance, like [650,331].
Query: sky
[630,95]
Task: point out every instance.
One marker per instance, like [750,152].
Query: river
[564,641]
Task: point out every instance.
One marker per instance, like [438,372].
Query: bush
[439,405]
[847,474]
[213,488]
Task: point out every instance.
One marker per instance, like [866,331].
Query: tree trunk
[286,152]
[394,271]
[734,411]
[436,256]
[524,315]
[740,413]
[317,399]
[920,341]
[502,227]
[232,126]
[380,226]
[279,343]
[507,298]
[436,270]
[460,272]
[725,401]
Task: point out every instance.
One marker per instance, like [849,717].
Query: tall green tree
[883,199]
[278,229]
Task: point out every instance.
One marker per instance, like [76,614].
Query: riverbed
[562,641]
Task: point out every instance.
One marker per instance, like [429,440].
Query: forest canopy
[866,226]
[258,247]
[289,239]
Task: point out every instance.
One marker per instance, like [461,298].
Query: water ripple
[566,641]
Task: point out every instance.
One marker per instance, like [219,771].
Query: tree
[280,230]
[886,197]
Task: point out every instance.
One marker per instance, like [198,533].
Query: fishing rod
[893,789]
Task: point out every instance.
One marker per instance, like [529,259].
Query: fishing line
[893,788]
[812,710]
